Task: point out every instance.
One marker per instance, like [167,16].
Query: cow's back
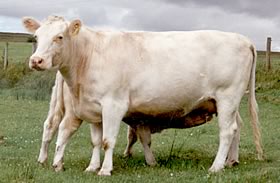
[172,71]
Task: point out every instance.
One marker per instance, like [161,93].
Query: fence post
[6,56]
[34,46]
[268,54]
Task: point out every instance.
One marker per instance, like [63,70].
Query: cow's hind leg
[144,133]
[67,127]
[227,112]
[96,139]
[131,139]
[233,154]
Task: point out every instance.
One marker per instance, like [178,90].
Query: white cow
[61,112]
[113,75]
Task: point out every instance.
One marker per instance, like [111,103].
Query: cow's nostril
[33,61]
[40,61]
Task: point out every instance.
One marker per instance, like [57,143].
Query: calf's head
[53,38]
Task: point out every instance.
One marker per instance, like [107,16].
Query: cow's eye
[58,39]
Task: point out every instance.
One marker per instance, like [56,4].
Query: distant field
[18,52]
[24,106]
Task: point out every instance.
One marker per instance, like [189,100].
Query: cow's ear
[75,27]
[30,24]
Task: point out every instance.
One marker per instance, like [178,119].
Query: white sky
[256,19]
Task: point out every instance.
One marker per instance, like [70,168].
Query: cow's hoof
[58,167]
[104,173]
[153,163]
[92,169]
[42,160]
[231,163]
[261,157]
[215,169]
[127,154]
[43,163]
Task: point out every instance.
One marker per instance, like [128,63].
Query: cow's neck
[77,62]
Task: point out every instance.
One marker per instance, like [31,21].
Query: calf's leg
[144,133]
[55,115]
[50,127]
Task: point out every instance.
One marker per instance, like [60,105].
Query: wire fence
[17,52]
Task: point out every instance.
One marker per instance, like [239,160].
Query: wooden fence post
[6,56]
[268,54]
[34,46]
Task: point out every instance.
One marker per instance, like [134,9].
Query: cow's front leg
[67,127]
[131,139]
[96,139]
[50,127]
[112,114]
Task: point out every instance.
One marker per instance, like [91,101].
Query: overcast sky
[256,19]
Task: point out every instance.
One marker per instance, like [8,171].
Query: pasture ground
[182,155]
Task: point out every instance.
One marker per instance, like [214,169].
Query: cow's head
[53,36]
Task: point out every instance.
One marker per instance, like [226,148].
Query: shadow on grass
[1,139]
[177,159]
[188,159]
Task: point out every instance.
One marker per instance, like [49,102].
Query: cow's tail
[253,107]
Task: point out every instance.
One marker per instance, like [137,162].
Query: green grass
[17,52]
[193,152]
[24,99]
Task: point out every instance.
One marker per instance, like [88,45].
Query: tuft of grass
[268,80]
[37,85]
[12,75]
[20,82]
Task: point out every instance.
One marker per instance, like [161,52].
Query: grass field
[182,155]
[17,52]
[193,152]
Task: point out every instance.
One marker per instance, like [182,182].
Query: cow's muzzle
[36,62]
